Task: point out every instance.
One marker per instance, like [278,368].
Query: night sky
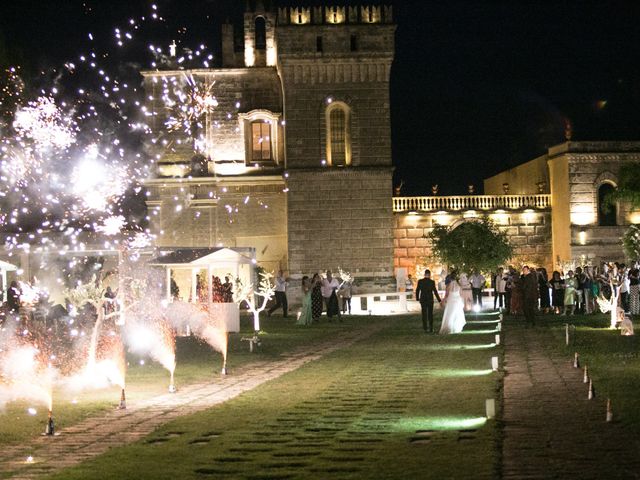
[476,87]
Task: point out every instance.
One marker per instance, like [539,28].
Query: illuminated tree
[631,242]
[628,188]
[477,244]
[247,294]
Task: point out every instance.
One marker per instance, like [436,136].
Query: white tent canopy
[201,257]
[4,268]
[189,263]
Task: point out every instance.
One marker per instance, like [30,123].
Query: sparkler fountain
[93,138]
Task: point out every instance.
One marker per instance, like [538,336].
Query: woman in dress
[557,291]
[543,287]
[306,315]
[453,320]
[634,291]
[570,286]
[517,300]
[316,297]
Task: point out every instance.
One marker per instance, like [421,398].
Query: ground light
[494,364]
[478,332]
[412,424]
[453,372]
[459,347]
[490,408]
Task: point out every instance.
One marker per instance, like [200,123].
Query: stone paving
[97,434]
[551,429]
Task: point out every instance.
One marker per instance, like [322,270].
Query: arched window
[261,34]
[261,137]
[606,212]
[338,134]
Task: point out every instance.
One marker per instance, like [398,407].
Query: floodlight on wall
[582,236]
[490,408]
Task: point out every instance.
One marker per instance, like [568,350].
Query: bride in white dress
[453,320]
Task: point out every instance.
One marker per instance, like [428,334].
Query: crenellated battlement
[335,15]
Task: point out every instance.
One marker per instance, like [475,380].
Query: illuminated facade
[552,209]
[286,148]
[578,175]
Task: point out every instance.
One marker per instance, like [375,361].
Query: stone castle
[297,156]
[298,164]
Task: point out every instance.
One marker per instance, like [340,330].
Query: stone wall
[313,79]
[231,213]
[237,91]
[529,233]
[590,164]
[341,218]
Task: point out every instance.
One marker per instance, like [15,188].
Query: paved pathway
[96,435]
[551,429]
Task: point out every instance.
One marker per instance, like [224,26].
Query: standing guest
[316,297]
[409,285]
[579,276]
[227,290]
[13,297]
[425,291]
[557,291]
[604,280]
[477,284]
[595,288]
[509,279]
[516,295]
[634,290]
[530,291]
[345,294]
[581,293]
[330,287]
[499,289]
[624,287]
[543,287]
[281,295]
[588,290]
[306,314]
[465,291]
[570,286]
[173,288]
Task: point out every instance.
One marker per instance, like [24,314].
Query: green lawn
[613,360]
[400,404]
[196,362]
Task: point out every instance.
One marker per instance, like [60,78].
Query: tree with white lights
[247,294]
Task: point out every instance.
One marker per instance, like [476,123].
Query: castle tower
[334,63]
[259,36]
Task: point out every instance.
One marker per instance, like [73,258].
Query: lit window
[338,134]
[260,142]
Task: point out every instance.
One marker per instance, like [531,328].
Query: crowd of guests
[330,294]
[571,292]
[220,292]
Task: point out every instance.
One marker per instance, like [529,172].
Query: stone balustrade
[471,202]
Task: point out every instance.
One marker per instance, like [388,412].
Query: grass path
[398,404]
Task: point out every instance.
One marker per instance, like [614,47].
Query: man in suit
[425,291]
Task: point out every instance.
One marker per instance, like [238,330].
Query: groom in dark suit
[425,291]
